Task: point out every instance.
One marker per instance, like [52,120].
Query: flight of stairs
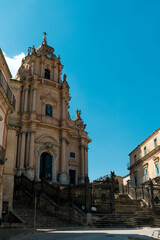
[128,213]
[43,218]
[124,204]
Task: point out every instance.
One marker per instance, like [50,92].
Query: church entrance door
[72,174]
[46,166]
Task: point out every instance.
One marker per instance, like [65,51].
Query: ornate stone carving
[49,97]
[65,83]
[72,162]
[78,121]
[23,71]
[49,145]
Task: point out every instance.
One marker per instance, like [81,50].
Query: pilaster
[86,162]
[63,178]
[30,168]
[22,154]
[81,179]
[25,98]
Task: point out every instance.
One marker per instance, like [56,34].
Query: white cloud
[14,63]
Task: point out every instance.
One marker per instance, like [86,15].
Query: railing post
[142,193]
[122,188]
[112,196]
[128,187]
[69,195]
[152,195]
[87,195]
[58,194]
[136,193]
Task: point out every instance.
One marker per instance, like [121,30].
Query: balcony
[4,85]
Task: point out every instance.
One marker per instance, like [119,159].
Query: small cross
[45,33]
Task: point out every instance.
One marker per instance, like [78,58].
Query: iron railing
[6,89]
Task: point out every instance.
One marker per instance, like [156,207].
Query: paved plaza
[92,234]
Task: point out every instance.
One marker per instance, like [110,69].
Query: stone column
[86,162]
[22,154]
[59,72]
[22,101]
[18,150]
[1,190]
[81,179]
[42,73]
[52,72]
[26,99]
[32,68]
[63,174]
[63,154]
[27,150]
[15,155]
[63,109]
[82,161]
[34,88]
[30,171]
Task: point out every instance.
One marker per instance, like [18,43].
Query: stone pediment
[47,140]
[48,97]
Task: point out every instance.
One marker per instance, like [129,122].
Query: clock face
[49,55]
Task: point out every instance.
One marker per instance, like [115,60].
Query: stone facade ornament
[49,145]
[49,97]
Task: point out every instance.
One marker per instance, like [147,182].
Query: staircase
[52,207]
[44,218]
[124,204]
[128,213]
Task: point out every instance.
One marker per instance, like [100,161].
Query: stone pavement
[8,233]
[90,234]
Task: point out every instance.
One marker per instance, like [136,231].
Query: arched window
[48,111]
[47,74]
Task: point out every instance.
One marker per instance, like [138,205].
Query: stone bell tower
[48,144]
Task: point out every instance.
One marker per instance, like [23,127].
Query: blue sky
[111,54]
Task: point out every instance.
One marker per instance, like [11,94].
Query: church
[43,142]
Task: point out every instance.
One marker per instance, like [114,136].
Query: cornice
[15,128]
[145,140]
[145,157]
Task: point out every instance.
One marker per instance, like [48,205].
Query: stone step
[43,217]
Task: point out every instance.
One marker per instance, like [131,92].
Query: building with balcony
[144,160]
[7,106]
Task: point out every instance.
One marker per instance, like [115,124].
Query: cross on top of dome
[45,38]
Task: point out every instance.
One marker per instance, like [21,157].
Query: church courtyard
[88,234]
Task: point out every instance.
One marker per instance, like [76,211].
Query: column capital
[26,88]
[34,87]
[53,66]
[22,132]
[82,146]
[32,132]
[65,139]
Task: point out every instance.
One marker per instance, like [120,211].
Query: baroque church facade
[43,142]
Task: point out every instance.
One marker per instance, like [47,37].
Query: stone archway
[45,171]
[47,145]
